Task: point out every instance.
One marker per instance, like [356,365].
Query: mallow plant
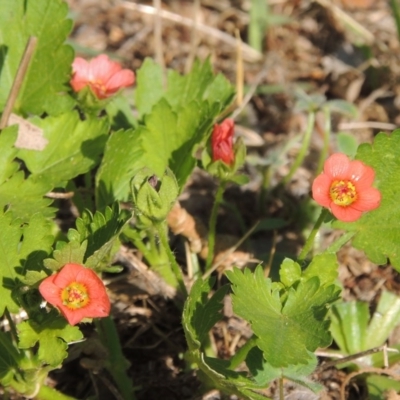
[68,131]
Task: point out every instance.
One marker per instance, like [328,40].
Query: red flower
[345,187]
[222,142]
[77,292]
[103,76]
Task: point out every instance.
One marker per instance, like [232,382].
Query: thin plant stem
[303,150]
[340,242]
[213,224]
[396,14]
[19,78]
[116,363]
[310,240]
[281,393]
[241,354]
[327,134]
[174,265]
[12,326]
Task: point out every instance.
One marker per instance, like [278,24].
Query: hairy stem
[241,354]
[174,265]
[310,240]
[116,363]
[213,224]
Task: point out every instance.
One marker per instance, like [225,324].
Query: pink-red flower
[222,142]
[103,76]
[345,187]
[77,292]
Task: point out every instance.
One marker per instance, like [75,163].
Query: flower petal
[102,68]
[67,274]
[361,175]
[368,199]
[73,316]
[123,78]
[320,190]
[345,214]
[80,68]
[99,308]
[50,292]
[337,166]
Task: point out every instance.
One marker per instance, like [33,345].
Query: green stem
[116,363]
[12,326]
[396,13]
[48,393]
[339,242]
[303,150]
[241,354]
[327,133]
[213,224]
[310,240]
[174,265]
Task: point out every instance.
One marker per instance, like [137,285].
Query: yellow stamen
[75,296]
[343,193]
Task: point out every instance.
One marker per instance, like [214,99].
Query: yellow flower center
[75,296]
[343,193]
[99,85]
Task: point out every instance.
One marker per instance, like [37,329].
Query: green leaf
[376,232]
[290,272]
[53,336]
[122,159]
[149,82]
[9,358]
[65,253]
[264,373]
[200,313]
[286,331]
[385,318]
[171,137]
[380,386]
[20,247]
[343,107]
[120,113]
[46,81]
[99,231]
[349,326]
[354,332]
[199,84]
[324,266]
[23,196]
[347,144]
[175,123]
[37,242]
[74,147]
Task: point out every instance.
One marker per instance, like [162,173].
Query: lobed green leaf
[46,83]
[287,326]
[52,336]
